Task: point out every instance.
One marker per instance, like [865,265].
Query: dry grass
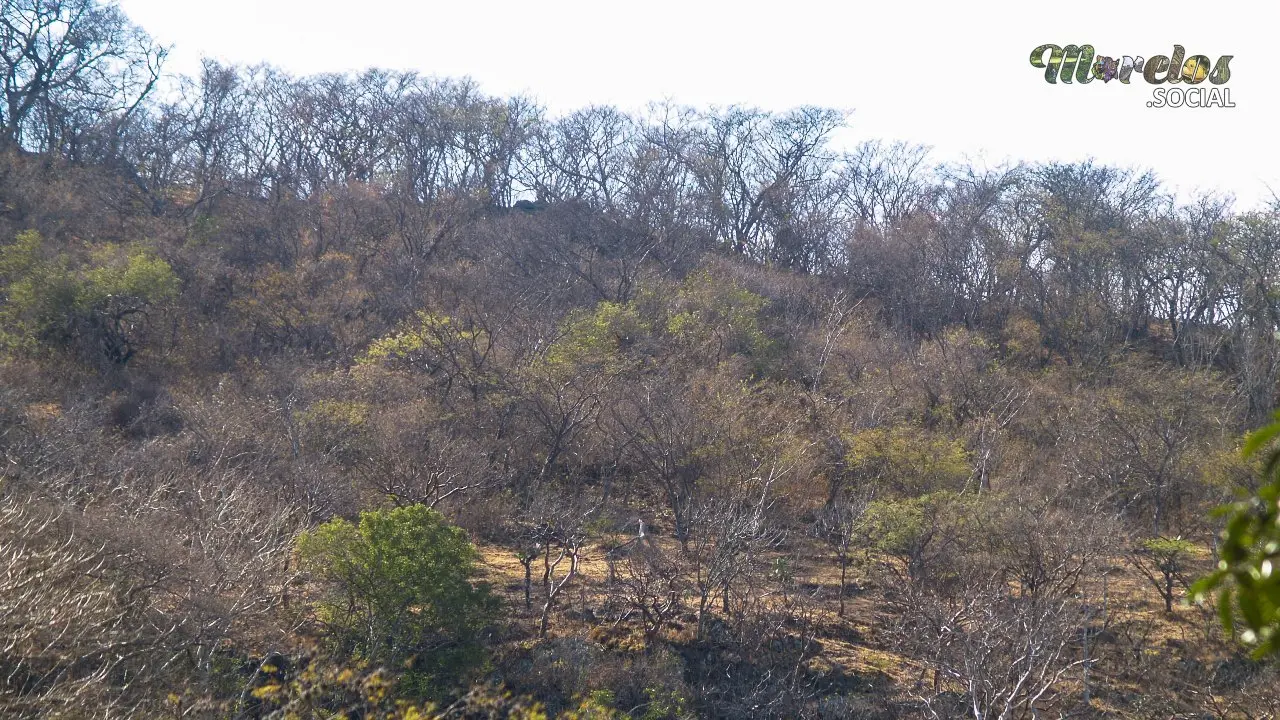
[856,646]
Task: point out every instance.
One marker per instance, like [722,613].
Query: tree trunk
[528,581]
[844,566]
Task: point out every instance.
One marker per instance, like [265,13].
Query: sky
[950,75]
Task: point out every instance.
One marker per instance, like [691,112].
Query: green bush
[52,299]
[907,460]
[712,318]
[920,530]
[401,593]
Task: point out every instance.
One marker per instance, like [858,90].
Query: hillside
[712,418]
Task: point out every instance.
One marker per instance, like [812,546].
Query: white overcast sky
[878,59]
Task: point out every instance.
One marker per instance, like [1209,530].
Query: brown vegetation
[904,440]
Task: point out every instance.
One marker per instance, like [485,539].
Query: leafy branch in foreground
[1246,582]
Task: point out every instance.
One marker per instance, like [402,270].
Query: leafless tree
[649,586]
[838,525]
[68,65]
[994,655]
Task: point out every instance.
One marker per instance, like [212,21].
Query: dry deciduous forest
[374,395]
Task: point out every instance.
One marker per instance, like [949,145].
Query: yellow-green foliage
[907,460]
[47,293]
[335,413]
[717,318]
[1168,551]
[422,341]
[598,337]
[351,690]
[898,527]
[919,528]
[38,292]
[134,274]
[706,318]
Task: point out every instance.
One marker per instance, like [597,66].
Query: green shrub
[401,593]
[920,530]
[52,299]
[713,318]
[907,460]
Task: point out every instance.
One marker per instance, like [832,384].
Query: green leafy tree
[598,338]
[401,592]
[436,345]
[712,318]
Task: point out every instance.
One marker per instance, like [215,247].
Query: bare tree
[1003,654]
[746,161]
[67,65]
[839,526]
[558,524]
[77,635]
[649,585]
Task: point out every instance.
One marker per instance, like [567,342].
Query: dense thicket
[744,424]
